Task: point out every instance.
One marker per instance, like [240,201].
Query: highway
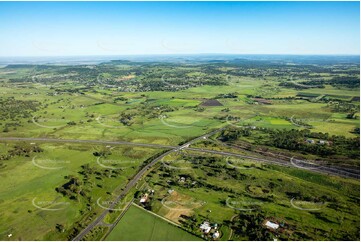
[338,171]
[320,169]
[133,182]
[104,142]
[139,175]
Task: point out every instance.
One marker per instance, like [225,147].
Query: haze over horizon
[45,29]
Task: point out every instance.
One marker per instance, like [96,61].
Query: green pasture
[138,224]
[29,202]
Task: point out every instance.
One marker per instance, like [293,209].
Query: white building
[205,227]
[323,142]
[215,235]
[144,198]
[271,225]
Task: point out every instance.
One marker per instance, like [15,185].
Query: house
[182,179]
[205,227]
[271,225]
[323,142]
[144,198]
[215,235]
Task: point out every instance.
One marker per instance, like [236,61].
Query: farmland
[290,132]
[138,224]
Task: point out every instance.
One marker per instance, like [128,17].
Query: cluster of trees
[13,110]
[72,188]
[191,223]
[227,95]
[300,86]
[102,152]
[249,226]
[176,83]
[232,133]
[144,110]
[20,149]
[295,140]
[88,172]
[77,187]
[21,79]
[338,81]
[344,81]
[343,106]
[24,149]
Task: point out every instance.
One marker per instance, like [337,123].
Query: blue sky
[123,28]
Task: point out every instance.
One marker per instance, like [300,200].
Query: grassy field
[138,224]
[96,116]
[29,202]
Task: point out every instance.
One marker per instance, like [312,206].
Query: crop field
[138,224]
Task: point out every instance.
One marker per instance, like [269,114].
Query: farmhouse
[323,142]
[271,225]
[205,227]
[215,235]
[144,198]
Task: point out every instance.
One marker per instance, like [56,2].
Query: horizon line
[176,54]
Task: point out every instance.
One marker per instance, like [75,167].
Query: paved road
[281,159]
[338,171]
[133,182]
[112,226]
[319,169]
[139,175]
[55,140]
